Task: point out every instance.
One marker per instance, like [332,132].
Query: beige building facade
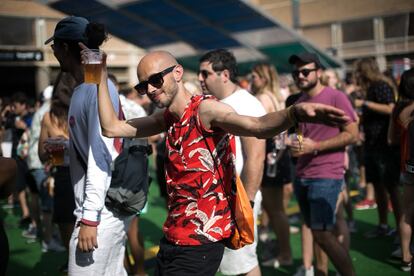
[27,65]
[352,29]
[348,29]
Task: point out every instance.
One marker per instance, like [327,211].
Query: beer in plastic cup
[92,66]
[57,151]
[58,156]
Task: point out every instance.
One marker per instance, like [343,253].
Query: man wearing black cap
[97,243]
[320,165]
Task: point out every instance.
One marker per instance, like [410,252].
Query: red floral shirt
[198,210]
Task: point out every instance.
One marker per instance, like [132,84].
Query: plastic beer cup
[92,66]
[57,151]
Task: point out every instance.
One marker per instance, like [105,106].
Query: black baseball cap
[70,28]
[305,58]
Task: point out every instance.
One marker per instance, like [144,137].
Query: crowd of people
[307,134]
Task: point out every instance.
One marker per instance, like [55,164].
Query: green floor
[370,256]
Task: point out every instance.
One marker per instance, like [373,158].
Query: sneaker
[275,263]
[7,206]
[302,271]
[405,266]
[30,232]
[366,204]
[52,246]
[294,229]
[269,262]
[379,231]
[352,226]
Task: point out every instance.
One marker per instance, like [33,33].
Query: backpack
[127,193]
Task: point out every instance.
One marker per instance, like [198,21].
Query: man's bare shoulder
[207,105]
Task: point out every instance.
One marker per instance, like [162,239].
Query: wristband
[89,222]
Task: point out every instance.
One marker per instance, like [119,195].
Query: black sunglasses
[156,80]
[305,72]
[204,73]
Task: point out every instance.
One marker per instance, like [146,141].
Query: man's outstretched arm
[216,114]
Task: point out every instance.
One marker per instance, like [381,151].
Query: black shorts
[175,260]
[64,198]
[382,166]
[284,171]
[24,178]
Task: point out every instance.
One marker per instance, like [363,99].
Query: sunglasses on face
[156,80]
[204,73]
[305,72]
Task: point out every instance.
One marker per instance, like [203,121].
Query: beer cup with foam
[92,66]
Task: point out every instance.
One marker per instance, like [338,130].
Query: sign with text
[15,55]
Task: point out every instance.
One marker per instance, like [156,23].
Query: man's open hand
[320,113]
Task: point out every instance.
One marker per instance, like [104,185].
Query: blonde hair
[367,72]
[325,77]
[269,74]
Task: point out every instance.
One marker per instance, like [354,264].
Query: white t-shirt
[94,149]
[246,104]
[131,109]
[33,160]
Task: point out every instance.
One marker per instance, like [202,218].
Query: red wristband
[89,222]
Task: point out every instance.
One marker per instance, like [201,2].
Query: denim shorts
[46,201]
[317,200]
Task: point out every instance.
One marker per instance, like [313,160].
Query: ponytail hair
[96,34]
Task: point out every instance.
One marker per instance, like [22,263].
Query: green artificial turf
[370,256]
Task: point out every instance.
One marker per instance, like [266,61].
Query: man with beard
[199,163]
[320,166]
[217,76]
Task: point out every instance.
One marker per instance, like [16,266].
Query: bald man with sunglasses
[200,152]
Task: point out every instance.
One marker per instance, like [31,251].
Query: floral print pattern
[198,209]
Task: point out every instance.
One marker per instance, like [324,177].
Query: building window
[360,30]
[16,31]
[395,26]
[411,25]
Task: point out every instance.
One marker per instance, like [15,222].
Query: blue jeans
[46,201]
[317,200]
